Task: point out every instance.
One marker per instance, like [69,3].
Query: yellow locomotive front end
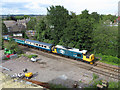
[89,58]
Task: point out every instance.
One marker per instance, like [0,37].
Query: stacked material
[7,82]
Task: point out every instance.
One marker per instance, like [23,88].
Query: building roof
[18,27]
[9,23]
[37,42]
[14,26]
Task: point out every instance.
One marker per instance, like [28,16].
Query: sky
[39,7]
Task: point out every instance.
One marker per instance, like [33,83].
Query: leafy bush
[55,86]
[109,59]
[13,46]
[114,85]
[30,56]
[6,58]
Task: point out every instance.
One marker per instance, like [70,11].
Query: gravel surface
[50,70]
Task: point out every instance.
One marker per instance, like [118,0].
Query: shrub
[55,86]
[95,76]
[114,84]
[109,59]
[30,56]
[6,58]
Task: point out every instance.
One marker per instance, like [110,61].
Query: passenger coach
[19,40]
[37,44]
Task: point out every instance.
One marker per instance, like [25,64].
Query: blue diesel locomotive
[58,49]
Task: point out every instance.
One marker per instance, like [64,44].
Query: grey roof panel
[42,43]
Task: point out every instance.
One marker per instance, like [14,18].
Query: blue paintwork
[5,39]
[69,53]
[38,47]
[59,50]
[41,43]
[5,36]
[19,41]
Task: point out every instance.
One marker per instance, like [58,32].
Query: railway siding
[103,69]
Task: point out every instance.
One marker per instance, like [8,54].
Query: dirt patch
[7,82]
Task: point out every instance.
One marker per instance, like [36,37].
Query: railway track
[109,74]
[109,71]
[112,72]
[109,68]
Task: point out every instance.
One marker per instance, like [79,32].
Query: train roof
[71,49]
[5,35]
[11,36]
[19,38]
[42,43]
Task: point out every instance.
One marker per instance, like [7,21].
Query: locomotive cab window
[44,46]
[79,55]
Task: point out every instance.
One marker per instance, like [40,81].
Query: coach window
[45,46]
[42,45]
[79,55]
[36,44]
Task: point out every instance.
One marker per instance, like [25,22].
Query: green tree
[85,30]
[13,46]
[31,24]
[118,40]
[24,35]
[70,36]
[57,17]
[4,29]
[85,14]
[78,32]
[105,39]
[40,30]
[109,17]
[72,14]
[2,43]
[26,16]
[19,17]
[96,16]
[11,18]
